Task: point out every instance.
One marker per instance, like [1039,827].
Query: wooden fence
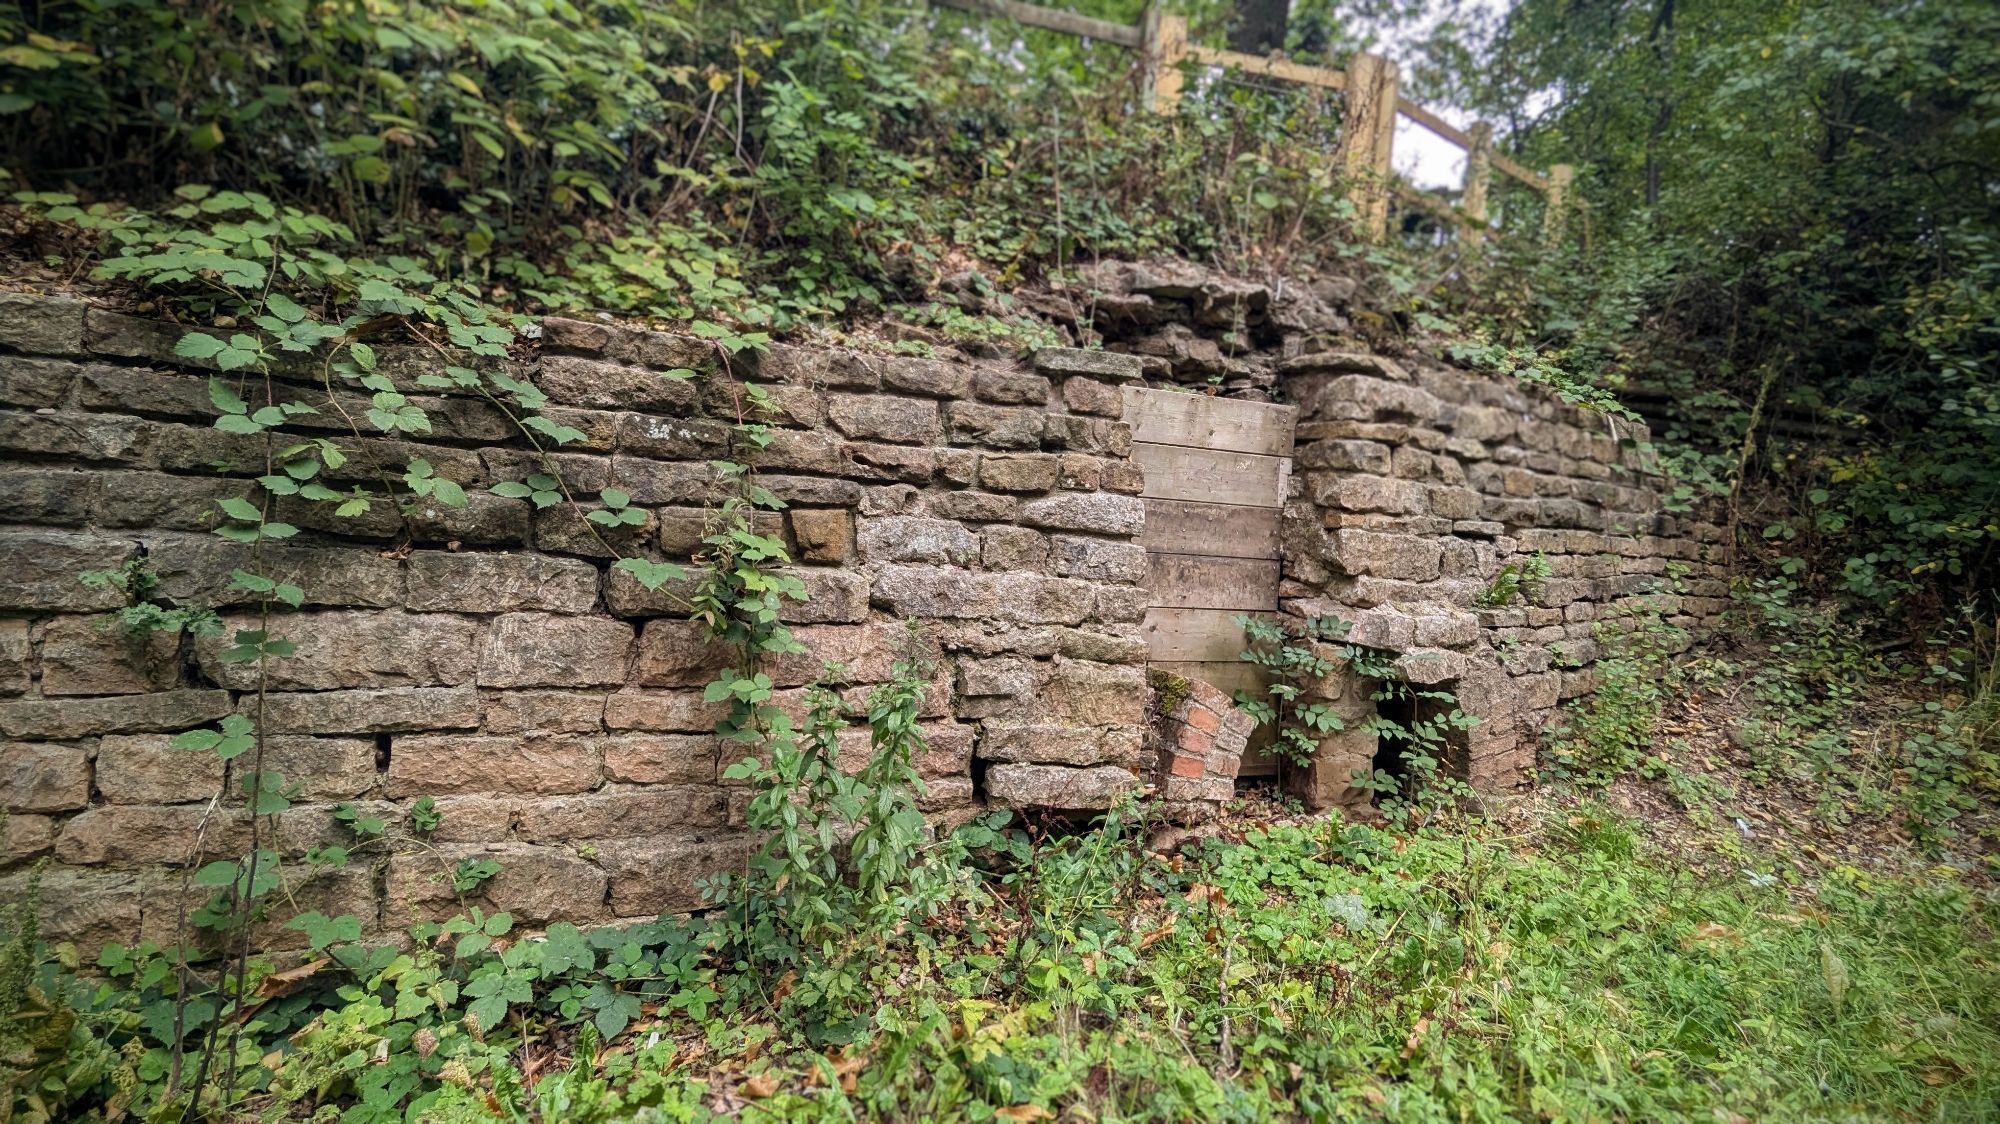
[1369,90]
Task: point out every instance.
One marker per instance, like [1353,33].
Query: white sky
[1420,155]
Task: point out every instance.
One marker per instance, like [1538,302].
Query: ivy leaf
[512,489]
[614,498]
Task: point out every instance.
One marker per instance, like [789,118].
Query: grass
[1322,970]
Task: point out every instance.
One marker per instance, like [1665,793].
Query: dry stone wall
[490,657]
[1416,487]
[983,512]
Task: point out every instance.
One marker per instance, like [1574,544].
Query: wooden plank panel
[1182,635]
[1211,476]
[1192,581]
[1219,530]
[1197,421]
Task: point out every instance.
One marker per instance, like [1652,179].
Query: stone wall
[1416,486]
[983,513]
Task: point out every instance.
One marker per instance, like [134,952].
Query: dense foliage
[1793,254]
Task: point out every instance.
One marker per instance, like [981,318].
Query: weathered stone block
[1058,787]
[544,712]
[1097,559]
[24,837]
[996,427]
[823,535]
[597,385]
[1099,436]
[1013,548]
[671,438]
[535,884]
[975,507]
[391,710]
[661,711]
[14,657]
[658,875]
[905,539]
[41,570]
[342,649]
[1023,472]
[82,718]
[1402,557]
[661,759]
[1088,396]
[545,650]
[435,764]
[622,814]
[53,497]
[1346,456]
[131,835]
[865,653]
[93,908]
[1096,512]
[832,597]
[499,583]
[41,325]
[1025,598]
[146,769]
[1065,361]
[678,653]
[1367,493]
[94,655]
[195,570]
[898,421]
[1011,388]
[869,461]
[933,378]
[44,778]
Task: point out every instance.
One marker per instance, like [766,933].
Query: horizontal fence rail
[1371,102]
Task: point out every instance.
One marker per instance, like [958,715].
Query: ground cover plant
[1756,882]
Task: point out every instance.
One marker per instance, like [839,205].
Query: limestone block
[389,710]
[95,655]
[907,539]
[546,650]
[678,653]
[648,811]
[1058,787]
[45,325]
[15,657]
[1010,387]
[932,378]
[45,778]
[1095,512]
[146,769]
[500,583]
[536,885]
[82,718]
[544,712]
[1097,559]
[436,764]
[897,421]
[995,427]
[1013,548]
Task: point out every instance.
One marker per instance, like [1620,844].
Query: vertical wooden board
[1162,417]
[1174,472]
[1190,581]
[1218,530]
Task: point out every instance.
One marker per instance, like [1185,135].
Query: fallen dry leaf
[759,1086]
[1024,1112]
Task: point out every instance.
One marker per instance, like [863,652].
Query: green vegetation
[1788,258]
[1301,970]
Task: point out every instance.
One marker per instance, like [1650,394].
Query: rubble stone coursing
[986,511]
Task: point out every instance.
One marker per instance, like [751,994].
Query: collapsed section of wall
[491,657]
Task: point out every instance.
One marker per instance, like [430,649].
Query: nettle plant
[1416,722]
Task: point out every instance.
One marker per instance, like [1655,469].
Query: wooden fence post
[1163,43]
[1553,218]
[1368,134]
[1478,177]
